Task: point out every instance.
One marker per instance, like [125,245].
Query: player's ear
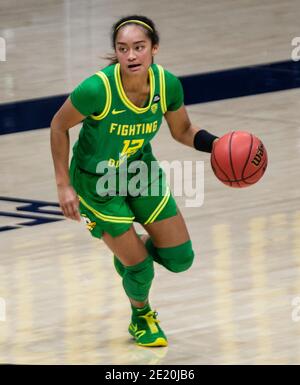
[154,49]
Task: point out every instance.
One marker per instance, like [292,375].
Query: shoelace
[151,320]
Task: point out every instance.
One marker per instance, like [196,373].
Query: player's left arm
[186,133]
[181,127]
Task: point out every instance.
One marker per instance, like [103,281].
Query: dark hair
[146,23]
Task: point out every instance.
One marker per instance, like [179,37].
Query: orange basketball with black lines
[239,159]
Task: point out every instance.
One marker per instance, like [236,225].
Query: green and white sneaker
[145,328]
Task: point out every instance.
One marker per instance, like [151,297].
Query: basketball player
[122,107]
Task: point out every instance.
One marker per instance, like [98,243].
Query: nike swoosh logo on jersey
[115,112]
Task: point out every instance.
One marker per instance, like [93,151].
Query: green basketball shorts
[116,213]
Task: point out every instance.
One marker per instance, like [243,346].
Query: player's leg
[110,218]
[156,209]
[169,241]
[138,269]
[170,244]
[137,278]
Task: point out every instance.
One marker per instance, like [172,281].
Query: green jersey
[114,128]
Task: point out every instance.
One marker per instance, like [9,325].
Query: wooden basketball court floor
[240,301]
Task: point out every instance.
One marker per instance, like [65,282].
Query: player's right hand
[69,202]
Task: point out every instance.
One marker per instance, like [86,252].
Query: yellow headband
[134,21]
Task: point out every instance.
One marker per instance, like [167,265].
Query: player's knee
[177,259]
[179,265]
[137,279]
[120,268]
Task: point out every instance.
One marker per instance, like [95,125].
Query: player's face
[134,50]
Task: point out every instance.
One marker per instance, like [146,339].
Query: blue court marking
[235,83]
[33,207]
[199,88]
[29,114]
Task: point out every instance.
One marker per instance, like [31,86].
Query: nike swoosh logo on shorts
[115,112]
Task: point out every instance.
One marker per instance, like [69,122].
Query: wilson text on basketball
[258,156]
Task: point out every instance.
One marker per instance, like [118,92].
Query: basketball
[239,159]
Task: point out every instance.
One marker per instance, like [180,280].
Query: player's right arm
[65,118]
[87,98]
